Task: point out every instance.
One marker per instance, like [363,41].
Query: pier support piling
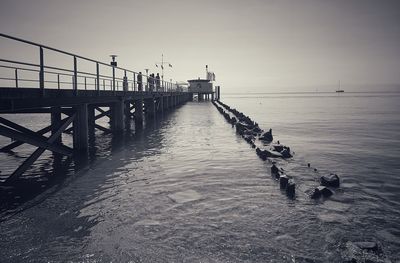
[150,107]
[80,128]
[139,111]
[127,114]
[161,109]
[117,116]
[91,119]
[56,122]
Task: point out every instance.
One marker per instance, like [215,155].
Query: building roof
[199,80]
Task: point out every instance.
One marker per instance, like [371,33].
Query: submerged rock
[263,154]
[241,127]
[267,136]
[257,129]
[278,147]
[321,191]
[273,154]
[275,171]
[286,153]
[366,245]
[248,138]
[291,188]
[363,252]
[283,181]
[330,180]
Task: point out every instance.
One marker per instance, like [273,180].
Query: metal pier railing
[102,76]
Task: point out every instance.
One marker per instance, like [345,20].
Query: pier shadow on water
[53,171]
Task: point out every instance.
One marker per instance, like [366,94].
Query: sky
[252,45]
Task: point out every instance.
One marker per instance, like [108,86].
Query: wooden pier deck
[75,100]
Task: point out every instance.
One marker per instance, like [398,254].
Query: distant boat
[339,89]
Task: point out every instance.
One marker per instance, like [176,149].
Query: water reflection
[49,174]
[188,188]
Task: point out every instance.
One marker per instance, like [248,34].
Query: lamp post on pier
[113,63]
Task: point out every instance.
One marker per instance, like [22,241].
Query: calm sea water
[187,188]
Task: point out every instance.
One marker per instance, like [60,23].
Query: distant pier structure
[75,94]
[203,88]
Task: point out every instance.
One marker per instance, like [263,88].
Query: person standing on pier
[152,82]
[140,81]
[158,82]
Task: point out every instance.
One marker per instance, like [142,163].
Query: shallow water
[188,189]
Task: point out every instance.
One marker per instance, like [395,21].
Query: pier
[75,98]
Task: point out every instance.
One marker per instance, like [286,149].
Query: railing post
[75,77]
[134,82]
[98,78]
[41,72]
[113,80]
[104,84]
[85,83]
[16,78]
[125,86]
[58,81]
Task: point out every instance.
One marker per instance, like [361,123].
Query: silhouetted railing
[22,73]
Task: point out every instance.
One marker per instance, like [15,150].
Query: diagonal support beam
[102,113]
[20,128]
[69,130]
[36,154]
[35,141]
[102,128]
[15,144]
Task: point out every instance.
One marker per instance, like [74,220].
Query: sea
[187,188]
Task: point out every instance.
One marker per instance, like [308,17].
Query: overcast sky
[252,45]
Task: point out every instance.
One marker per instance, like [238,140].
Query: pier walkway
[75,94]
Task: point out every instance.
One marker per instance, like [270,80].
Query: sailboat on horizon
[340,88]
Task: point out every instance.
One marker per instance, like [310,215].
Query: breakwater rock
[262,142]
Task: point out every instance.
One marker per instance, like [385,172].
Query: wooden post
[113,79]
[150,107]
[16,78]
[41,72]
[127,114]
[162,104]
[81,131]
[91,119]
[139,112]
[98,78]
[117,116]
[56,122]
[75,77]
